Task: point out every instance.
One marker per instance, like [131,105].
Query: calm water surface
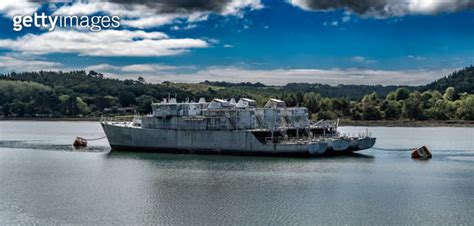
[44,180]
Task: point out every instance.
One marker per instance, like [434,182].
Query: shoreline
[52,119]
[342,122]
[408,123]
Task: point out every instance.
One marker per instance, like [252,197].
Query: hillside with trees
[89,94]
[462,81]
[76,93]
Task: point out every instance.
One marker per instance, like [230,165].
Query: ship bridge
[220,114]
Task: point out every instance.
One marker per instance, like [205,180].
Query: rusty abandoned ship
[230,127]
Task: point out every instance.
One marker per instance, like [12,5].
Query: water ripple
[41,145]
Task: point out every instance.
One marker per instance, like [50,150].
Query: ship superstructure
[230,127]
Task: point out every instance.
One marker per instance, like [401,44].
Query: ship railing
[123,119]
[344,135]
[357,135]
[300,140]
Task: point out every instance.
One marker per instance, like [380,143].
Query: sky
[388,42]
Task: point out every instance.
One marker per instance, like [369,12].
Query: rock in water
[422,153]
[80,142]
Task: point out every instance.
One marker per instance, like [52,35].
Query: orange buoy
[421,153]
[80,142]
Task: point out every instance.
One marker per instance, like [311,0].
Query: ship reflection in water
[230,127]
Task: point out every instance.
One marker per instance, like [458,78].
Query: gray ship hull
[123,137]
[338,145]
[361,143]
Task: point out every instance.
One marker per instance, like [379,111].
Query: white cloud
[236,6]
[134,68]
[104,43]
[187,27]
[361,59]
[284,76]
[147,68]
[345,19]
[151,21]
[10,64]
[435,6]
[333,23]
[228,46]
[197,17]
[212,40]
[157,73]
[386,8]
[18,7]
[358,59]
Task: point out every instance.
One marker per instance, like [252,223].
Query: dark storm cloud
[358,6]
[385,8]
[168,6]
[178,5]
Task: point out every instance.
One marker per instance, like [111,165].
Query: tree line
[75,94]
[88,94]
[398,104]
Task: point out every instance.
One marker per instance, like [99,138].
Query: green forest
[90,94]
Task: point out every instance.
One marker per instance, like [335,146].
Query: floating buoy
[80,142]
[421,153]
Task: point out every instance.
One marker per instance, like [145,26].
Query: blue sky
[274,42]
